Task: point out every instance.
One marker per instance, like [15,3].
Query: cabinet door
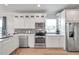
[9,45]
[72,15]
[61,41]
[16,22]
[40,20]
[10,24]
[19,22]
[31,40]
[52,42]
[29,23]
[76,37]
[32,23]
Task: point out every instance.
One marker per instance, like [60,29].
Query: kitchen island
[8,45]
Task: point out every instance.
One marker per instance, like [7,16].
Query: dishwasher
[23,41]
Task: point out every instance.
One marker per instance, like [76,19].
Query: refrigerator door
[70,37]
[76,37]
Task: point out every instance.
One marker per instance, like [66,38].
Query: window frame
[1,28]
[57,28]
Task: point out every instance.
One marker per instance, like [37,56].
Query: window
[0,27]
[51,25]
[54,26]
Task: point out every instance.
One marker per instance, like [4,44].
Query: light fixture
[38,5]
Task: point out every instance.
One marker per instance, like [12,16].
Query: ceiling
[48,8]
[32,8]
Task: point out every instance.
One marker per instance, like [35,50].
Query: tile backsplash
[24,31]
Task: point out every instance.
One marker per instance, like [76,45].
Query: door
[70,37]
[73,37]
[76,36]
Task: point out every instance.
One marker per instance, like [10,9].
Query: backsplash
[24,31]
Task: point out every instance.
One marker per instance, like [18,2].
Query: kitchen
[37,28]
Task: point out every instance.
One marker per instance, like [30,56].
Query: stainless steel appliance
[40,40]
[72,36]
[23,41]
[40,35]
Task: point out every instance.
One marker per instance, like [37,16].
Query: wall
[9,18]
[51,16]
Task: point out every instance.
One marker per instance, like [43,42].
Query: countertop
[5,38]
[55,35]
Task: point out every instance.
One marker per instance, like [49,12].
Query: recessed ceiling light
[38,5]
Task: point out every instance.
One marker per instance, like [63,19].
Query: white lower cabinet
[26,40]
[31,40]
[54,42]
[61,42]
[9,45]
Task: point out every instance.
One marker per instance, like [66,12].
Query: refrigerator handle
[71,33]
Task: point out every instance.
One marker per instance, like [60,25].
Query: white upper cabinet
[72,14]
[32,23]
[16,21]
[28,20]
[40,18]
[19,21]
[10,24]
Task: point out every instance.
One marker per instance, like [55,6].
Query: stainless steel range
[40,35]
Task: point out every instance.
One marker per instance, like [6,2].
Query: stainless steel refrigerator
[72,36]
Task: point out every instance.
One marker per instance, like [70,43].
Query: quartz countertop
[5,38]
[59,35]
